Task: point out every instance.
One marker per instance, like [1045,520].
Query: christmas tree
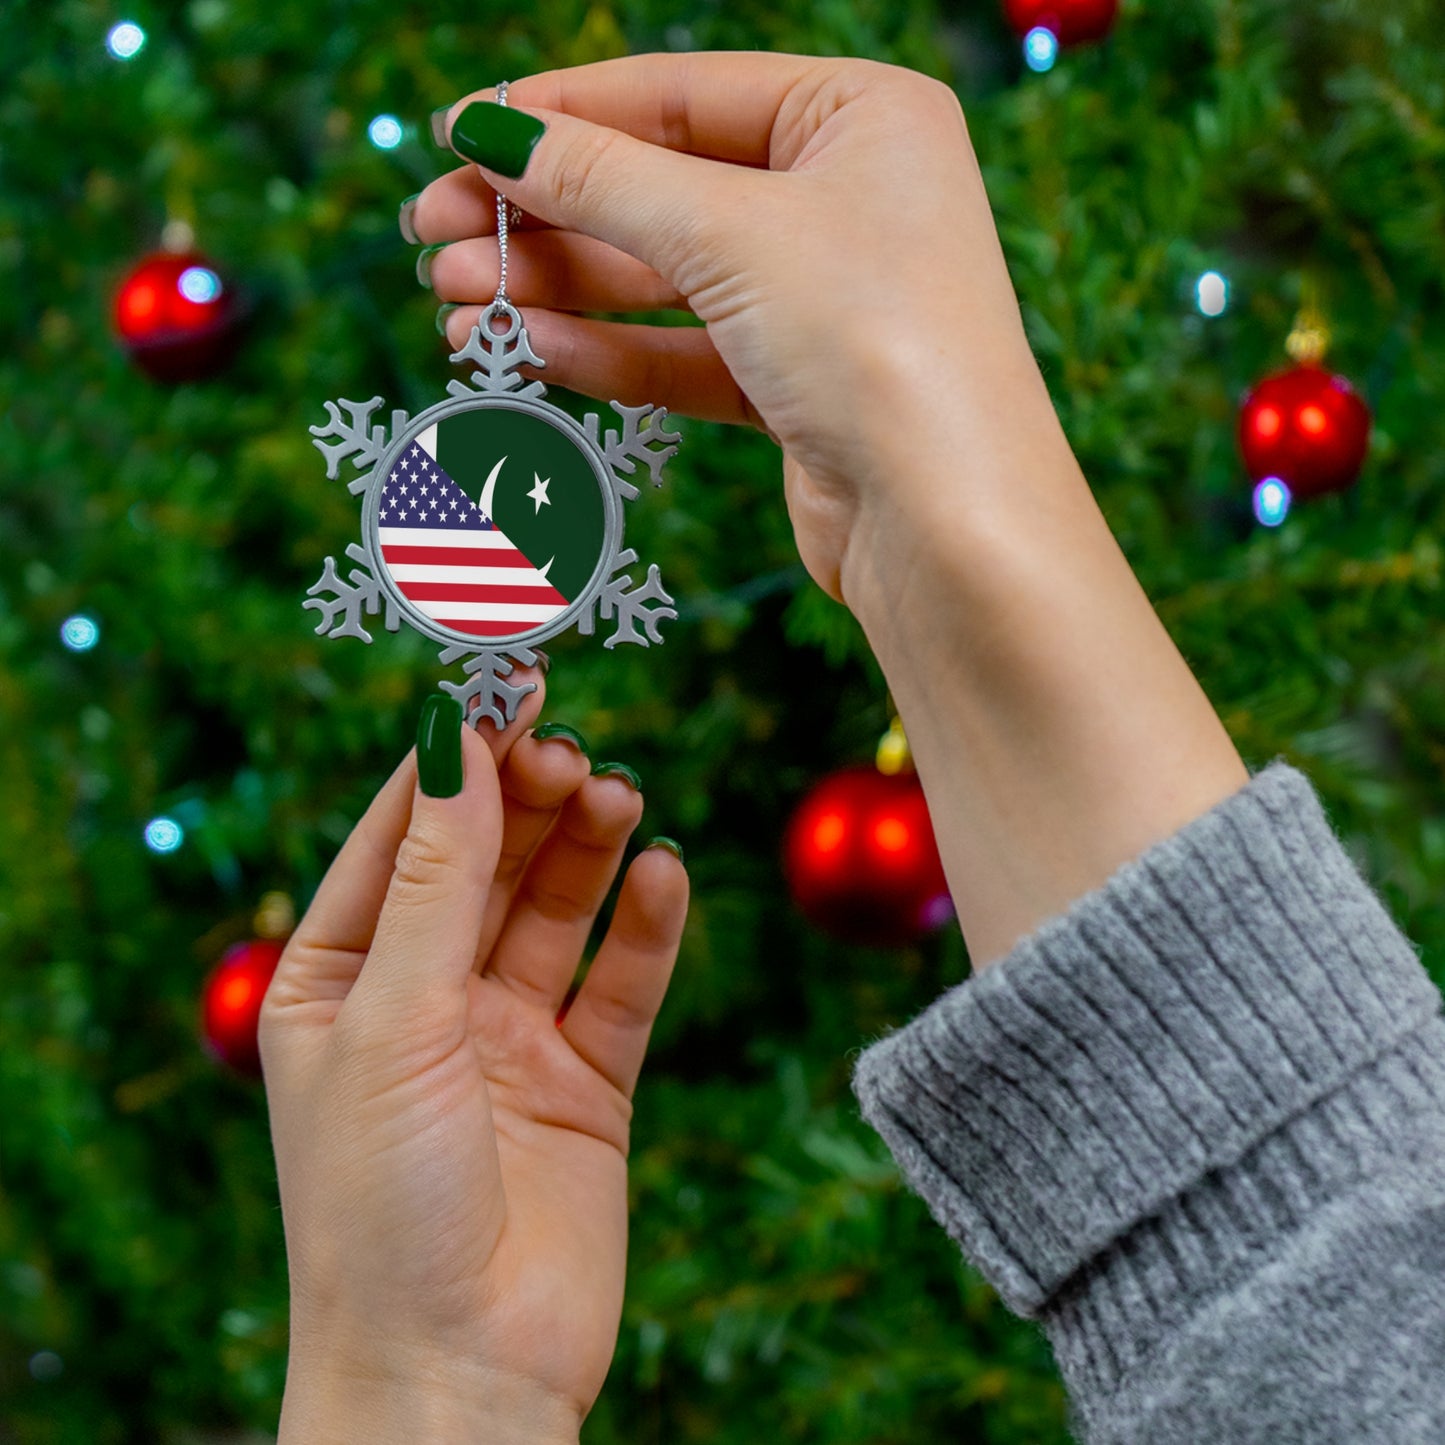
[178,744]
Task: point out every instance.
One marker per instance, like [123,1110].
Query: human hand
[452,1158]
[825,218]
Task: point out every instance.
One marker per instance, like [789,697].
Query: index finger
[723,105]
[750,109]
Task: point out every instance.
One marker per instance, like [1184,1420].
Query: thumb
[425,942]
[656,204]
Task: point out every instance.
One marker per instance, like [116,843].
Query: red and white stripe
[473,581]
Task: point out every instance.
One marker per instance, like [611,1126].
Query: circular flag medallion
[491,524]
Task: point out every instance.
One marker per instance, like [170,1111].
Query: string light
[126,40]
[46,1365]
[385,132]
[199,284]
[1041,48]
[79,633]
[1212,293]
[164,835]
[1271,501]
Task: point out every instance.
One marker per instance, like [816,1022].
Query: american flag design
[450,560]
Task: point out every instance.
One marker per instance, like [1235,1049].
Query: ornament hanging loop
[501,308]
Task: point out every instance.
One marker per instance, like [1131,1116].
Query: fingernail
[561,730]
[404,220]
[543,661]
[443,312]
[439,125]
[496,136]
[620,770]
[423,262]
[439,746]
[671,844]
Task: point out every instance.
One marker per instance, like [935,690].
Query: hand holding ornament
[827,222]
[824,218]
[451,1147]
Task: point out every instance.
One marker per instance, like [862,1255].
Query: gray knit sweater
[1195,1126]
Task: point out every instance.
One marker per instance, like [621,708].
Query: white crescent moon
[489,490]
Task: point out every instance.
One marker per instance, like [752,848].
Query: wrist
[338,1401]
[950,480]
[1057,730]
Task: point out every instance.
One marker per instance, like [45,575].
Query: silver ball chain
[501,300]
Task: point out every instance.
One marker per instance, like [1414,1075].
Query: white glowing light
[1212,293]
[1041,48]
[199,284]
[126,40]
[79,633]
[1271,502]
[164,835]
[385,132]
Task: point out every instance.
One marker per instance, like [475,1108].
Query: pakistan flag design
[546,499]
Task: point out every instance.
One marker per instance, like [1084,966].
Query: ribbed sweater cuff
[1214,988]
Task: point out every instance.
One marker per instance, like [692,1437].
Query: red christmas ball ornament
[1071,22]
[1307,427]
[861,861]
[231,1003]
[176,318]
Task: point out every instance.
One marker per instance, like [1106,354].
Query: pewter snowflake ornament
[493,520]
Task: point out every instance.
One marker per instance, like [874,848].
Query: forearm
[1057,730]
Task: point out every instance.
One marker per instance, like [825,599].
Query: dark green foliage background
[783,1285]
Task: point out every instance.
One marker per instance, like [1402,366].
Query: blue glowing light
[1271,502]
[1041,48]
[79,633]
[199,284]
[46,1365]
[1211,293]
[385,132]
[164,835]
[126,40]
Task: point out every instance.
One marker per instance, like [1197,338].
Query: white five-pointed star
[539,491]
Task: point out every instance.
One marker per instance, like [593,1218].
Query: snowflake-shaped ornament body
[492,521]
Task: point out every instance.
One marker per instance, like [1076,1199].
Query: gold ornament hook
[275,917]
[1310,339]
[894,755]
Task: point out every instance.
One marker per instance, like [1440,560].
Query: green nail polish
[423,262]
[620,770]
[496,136]
[439,746]
[561,730]
[671,844]
[405,222]
[439,125]
[443,312]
